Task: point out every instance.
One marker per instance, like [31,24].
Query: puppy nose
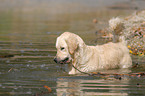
[55,60]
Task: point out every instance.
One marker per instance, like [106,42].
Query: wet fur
[92,58]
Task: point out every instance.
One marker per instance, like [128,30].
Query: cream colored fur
[91,58]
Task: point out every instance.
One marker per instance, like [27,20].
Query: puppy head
[66,45]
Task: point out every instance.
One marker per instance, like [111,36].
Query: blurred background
[25,20]
[28,31]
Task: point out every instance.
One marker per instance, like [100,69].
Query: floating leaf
[48,88]
[129,47]
[130,51]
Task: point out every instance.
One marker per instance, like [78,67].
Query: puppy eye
[62,48]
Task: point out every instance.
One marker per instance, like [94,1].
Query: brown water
[28,30]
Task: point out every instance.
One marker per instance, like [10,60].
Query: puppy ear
[72,45]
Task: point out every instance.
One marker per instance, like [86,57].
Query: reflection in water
[75,87]
[82,86]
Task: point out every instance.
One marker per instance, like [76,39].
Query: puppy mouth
[66,60]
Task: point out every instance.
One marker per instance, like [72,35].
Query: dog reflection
[75,87]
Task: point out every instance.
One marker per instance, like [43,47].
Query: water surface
[28,31]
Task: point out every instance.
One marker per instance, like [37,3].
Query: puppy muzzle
[64,61]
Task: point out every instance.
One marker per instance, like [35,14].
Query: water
[28,31]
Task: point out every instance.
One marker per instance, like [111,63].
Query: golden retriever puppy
[72,49]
